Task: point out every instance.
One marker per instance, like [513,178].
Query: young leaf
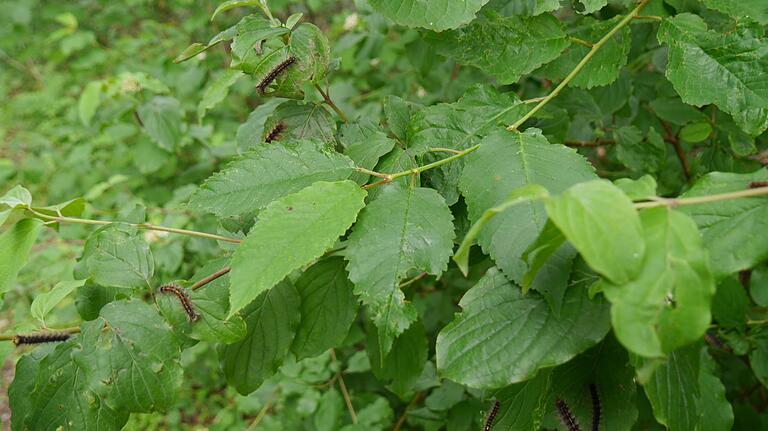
[437,15]
[117,255]
[502,337]
[45,302]
[162,121]
[600,221]
[216,92]
[505,162]
[667,305]
[272,320]
[289,233]
[268,173]
[328,308]
[399,231]
[504,47]
[15,245]
[365,144]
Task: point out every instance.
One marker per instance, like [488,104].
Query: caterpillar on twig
[42,337]
[566,417]
[276,132]
[492,416]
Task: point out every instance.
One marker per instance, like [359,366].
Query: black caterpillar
[272,75]
[276,132]
[566,417]
[596,409]
[758,184]
[183,298]
[492,416]
[43,337]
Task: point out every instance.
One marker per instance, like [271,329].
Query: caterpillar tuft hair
[275,73]
[758,184]
[183,299]
[566,417]
[596,408]
[275,133]
[42,337]
[492,416]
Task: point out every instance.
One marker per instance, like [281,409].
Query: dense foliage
[385,214]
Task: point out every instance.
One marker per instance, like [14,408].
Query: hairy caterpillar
[274,73]
[43,337]
[275,133]
[492,416]
[758,184]
[566,417]
[183,298]
[595,407]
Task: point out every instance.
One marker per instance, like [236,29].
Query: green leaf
[197,48]
[310,121]
[695,132]
[162,121]
[217,91]
[638,154]
[642,188]
[125,361]
[212,304]
[600,221]
[402,366]
[232,4]
[504,47]
[735,232]
[365,144]
[267,173]
[458,126]
[685,393]
[667,305]
[703,72]
[593,5]
[525,405]
[528,193]
[755,10]
[272,320]
[437,15]
[117,255]
[604,67]
[290,233]
[505,162]
[45,302]
[250,32]
[15,245]
[89,101]
[730,305]
[17,197]
[524,7]
[502,337]
[400,230]
[328,308]
[90,298]
[550,260]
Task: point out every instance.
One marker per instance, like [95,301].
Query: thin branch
[416,400]
[676,202]
[370,172]
[533,100]
[580,41]
[143,226]
[344,392]
[649,18]
[672,139]
[330,103]
[444,150]
[420,169]
[210,278]
[412,280]
[595,48]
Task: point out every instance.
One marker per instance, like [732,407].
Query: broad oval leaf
[289,233]
[15,245]
[435,15]
[600,221]
[503,337]
[504,163]
[268,173]
[272,320]
[117,255]
[401,230]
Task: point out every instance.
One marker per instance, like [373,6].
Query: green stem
[143,226]
[388,178]
[444,150]
[676,202]
[596,47]
[330,103]
[265,8]
[73,330]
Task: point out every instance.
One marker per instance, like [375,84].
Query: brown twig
[416,400]
[672,139]
[210,278]
[344,392]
